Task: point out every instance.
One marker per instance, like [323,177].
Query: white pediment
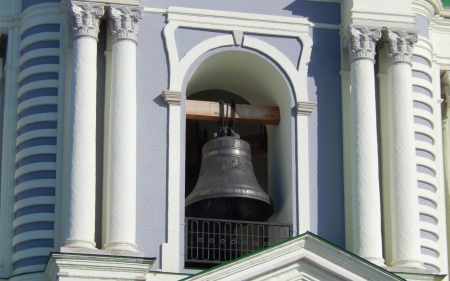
[306,258]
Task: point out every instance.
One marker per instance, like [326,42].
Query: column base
[407,264]
[75,266]
[377,261]
[75,243]
[120,246]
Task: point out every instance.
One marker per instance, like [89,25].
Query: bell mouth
[230,208]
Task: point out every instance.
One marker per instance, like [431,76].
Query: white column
[365,189]
[80,214]
[405,206]
[121,226]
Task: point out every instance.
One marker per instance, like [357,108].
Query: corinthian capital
[361,42]
[125,22]
[400,45]
[85,18]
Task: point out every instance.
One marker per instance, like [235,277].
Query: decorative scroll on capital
[361,42]
[305,108]
[400,45]
[124,22]
[85,18]
[171,98]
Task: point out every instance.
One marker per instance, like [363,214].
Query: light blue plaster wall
[187,38]
[152,114]
[315,11]
[290,47]
[325,140]
[422,26]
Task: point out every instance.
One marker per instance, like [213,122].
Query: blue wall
[152,79]
[327,183]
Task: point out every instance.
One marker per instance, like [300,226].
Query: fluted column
[121,226]
[405,206]
[80,215]
[365,190]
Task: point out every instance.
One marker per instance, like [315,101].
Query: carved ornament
[85,19]
[400,45]
[124,22]
[361,42]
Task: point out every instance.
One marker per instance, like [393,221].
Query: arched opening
[248,78]
[260,82]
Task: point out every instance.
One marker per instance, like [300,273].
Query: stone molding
[119,2]
[76,266]
[361,42]
[124,22]
[305,108]
[171,97]
[400,44]
[85,18]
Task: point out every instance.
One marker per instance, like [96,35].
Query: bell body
[227,187]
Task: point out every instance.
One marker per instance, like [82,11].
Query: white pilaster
[304,110]
[365,189]
[171,259]
[80,217]
[405,208]
[121,226]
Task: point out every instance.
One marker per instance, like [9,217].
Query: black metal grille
[209,242]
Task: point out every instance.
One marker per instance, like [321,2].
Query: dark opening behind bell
[227,187]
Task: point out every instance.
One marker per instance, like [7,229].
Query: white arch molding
[296,80]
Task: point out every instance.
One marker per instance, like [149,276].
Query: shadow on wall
[318,12]
[324,84]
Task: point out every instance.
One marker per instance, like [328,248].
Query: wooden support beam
[245,113]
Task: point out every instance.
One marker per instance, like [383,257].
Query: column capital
[305,108]
[85,18]
[361,41]
[171,97]
[124,22]
[400,44]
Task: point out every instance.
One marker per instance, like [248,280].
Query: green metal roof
[294,238]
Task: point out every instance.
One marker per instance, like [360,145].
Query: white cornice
[250,23]
[378,20]
[423,8]
[439,8]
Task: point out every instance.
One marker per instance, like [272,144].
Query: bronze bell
[227,187]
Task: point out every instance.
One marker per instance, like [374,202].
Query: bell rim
[217,192]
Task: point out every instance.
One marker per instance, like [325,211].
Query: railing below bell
[210,242]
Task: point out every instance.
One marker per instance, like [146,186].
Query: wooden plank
[245,113]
